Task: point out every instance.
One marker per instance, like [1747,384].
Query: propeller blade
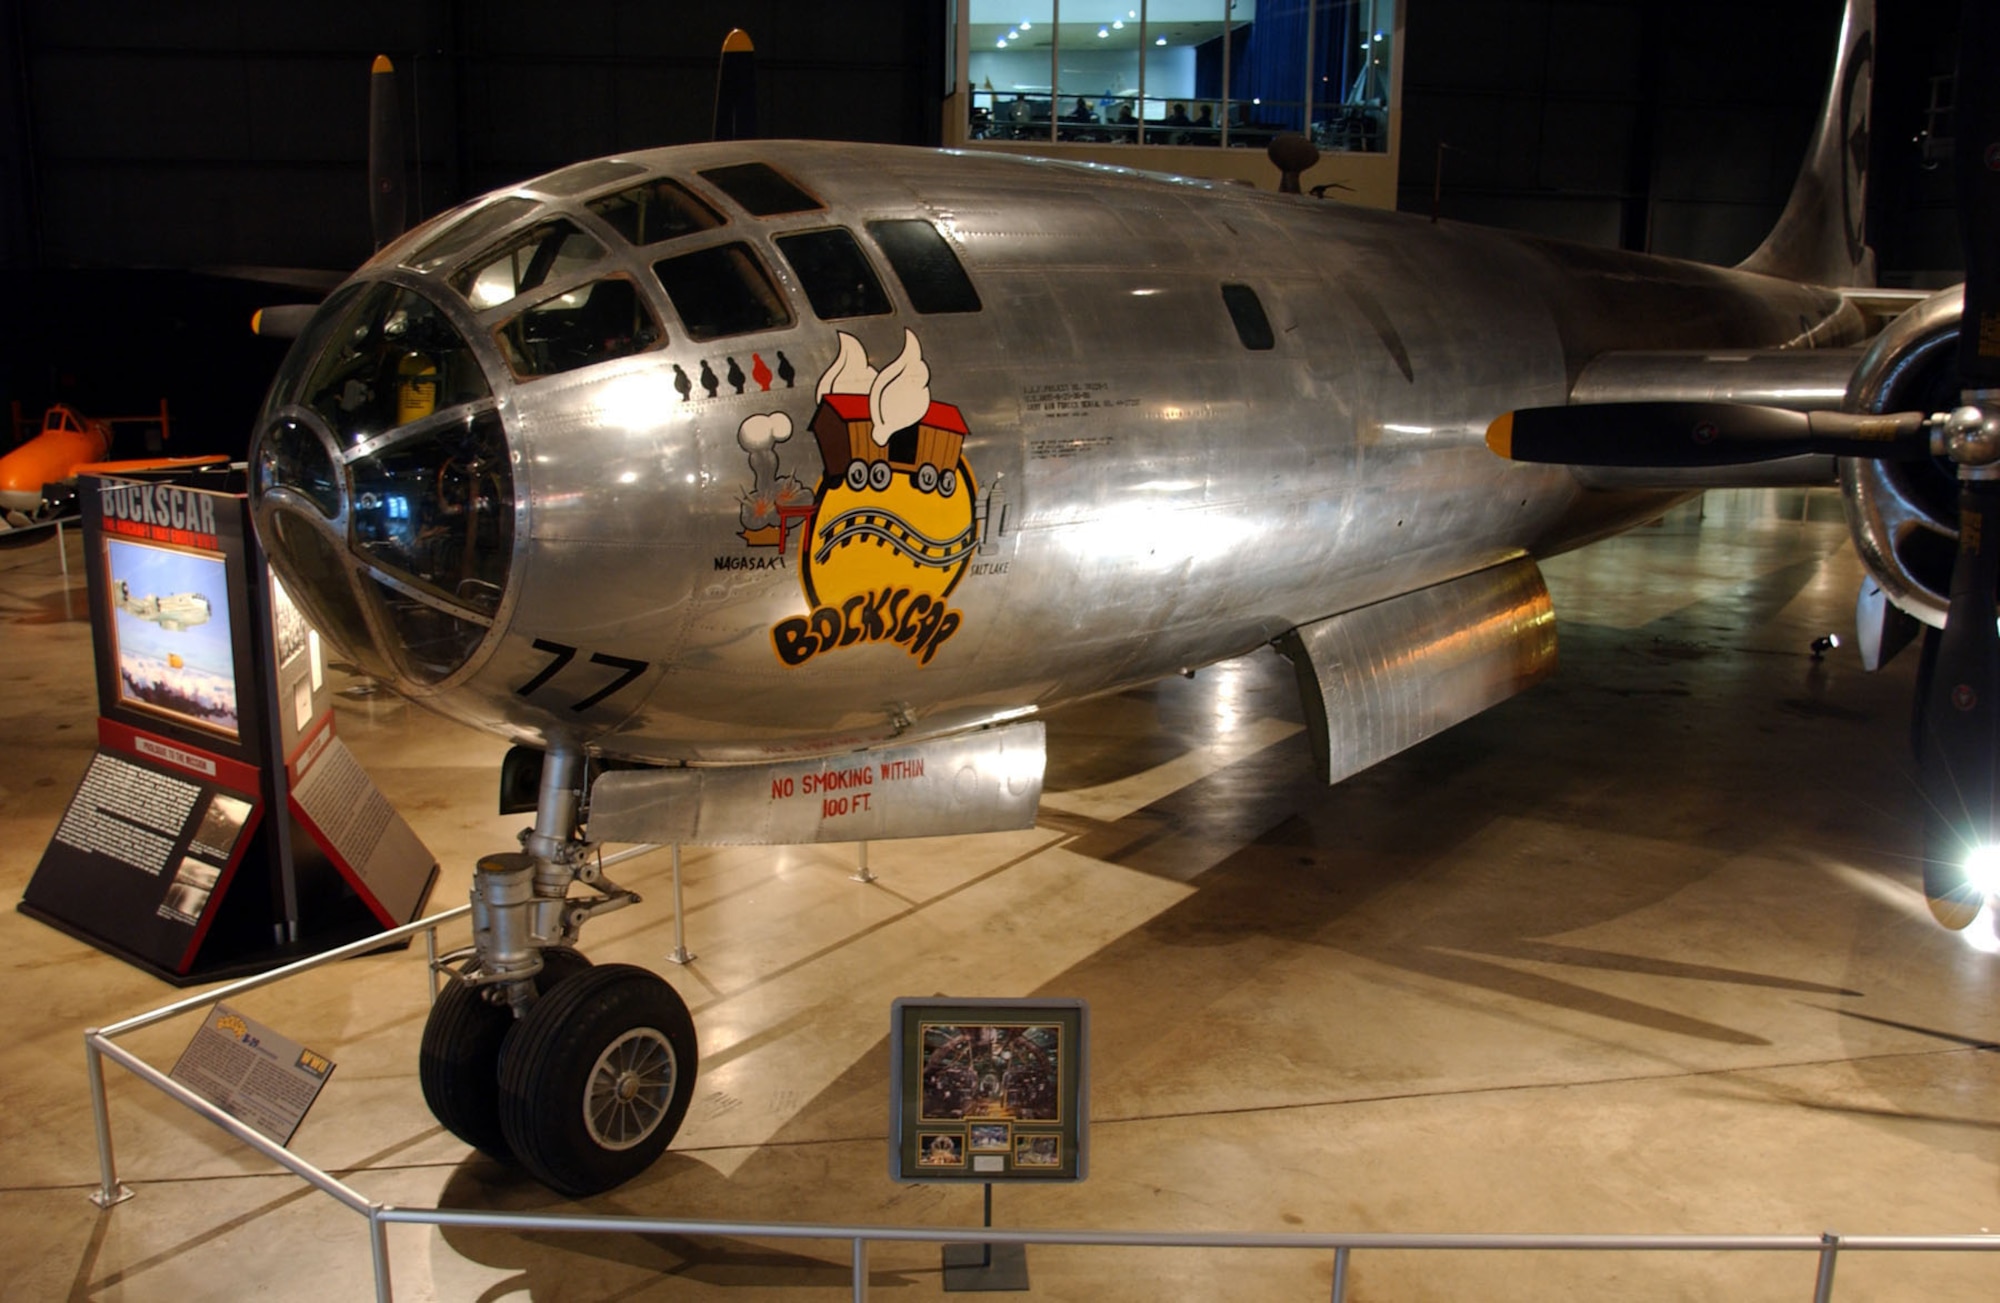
[282,321]
[386,212]
[736,89]
[1696,434]
[1961,717]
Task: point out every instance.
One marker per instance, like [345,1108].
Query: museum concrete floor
[1639,951]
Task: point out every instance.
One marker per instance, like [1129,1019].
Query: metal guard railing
[380,1216]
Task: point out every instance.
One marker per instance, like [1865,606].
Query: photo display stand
[222,827]
[988,1091]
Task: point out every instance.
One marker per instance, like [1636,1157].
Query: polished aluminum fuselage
[1153,495]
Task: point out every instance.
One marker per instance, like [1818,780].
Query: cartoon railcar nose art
[892,526]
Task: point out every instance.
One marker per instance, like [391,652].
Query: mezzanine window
[1224,73]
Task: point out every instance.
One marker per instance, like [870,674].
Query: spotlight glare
[1982,868]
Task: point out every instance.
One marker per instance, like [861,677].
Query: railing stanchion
[431,963]
[378,1243]
[108,1191]
[1340,1275]
[860,1269]
[1823,1287]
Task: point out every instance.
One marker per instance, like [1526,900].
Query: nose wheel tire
[595,1080]
[458,1063]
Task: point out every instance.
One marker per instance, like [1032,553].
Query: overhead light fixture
[1103,32]
[1028,26]
[1161,41]
[1118,24]
[1002,42]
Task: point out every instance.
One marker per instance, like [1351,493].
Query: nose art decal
[891,526]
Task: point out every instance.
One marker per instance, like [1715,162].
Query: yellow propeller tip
[737,42]
[256,320]
[1500,436]
[381,64]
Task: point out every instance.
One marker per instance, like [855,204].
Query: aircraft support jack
[579,1073]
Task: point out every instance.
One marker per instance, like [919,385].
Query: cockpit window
[579,177]
[392,359]
[592,323]
[469,230]
[834,273]
[526,262]
[761,189]
[438,510]
[659,210]
[722,290]
[926,265]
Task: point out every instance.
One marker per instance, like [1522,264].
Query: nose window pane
[722,290]
[835,274]
[393,359]
[317,580]
[659,210]
[591,323]
[467,231]
[526,262]
[429,643]
[760,188]
[439,510]
[292,457]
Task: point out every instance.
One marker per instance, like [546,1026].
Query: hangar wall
[140,141]
[1662,125]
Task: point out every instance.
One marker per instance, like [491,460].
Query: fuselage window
[658,210]
[525,263]
[591,323]
[469,230]
[926,265]
[722,290]
[761,189]
[394,358]
[1247,311]
[835,274]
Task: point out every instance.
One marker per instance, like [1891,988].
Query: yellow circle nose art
[895,515]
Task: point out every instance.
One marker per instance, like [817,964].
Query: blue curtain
[1267,60]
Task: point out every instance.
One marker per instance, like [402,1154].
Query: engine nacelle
[1904,515]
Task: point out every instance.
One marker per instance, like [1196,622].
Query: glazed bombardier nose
[383,488]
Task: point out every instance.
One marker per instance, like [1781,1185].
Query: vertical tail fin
[1822,234]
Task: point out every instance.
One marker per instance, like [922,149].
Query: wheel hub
[631,1088]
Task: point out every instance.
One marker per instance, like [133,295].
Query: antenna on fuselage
[1293,155]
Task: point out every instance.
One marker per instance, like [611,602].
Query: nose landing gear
[580,1074]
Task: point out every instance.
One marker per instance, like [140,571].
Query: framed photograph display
[172,639]
[988,1090]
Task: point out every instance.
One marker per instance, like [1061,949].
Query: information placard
[988,1090]
[221,828]
[258,1077]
